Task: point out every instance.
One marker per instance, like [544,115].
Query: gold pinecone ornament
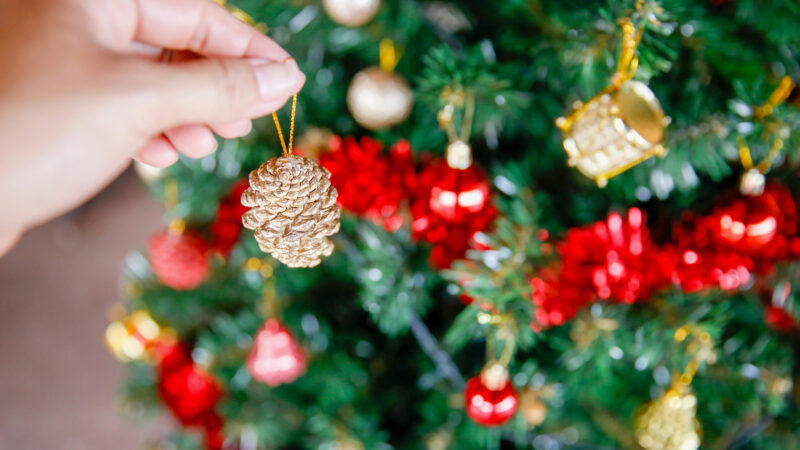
[293,210]
[670,422]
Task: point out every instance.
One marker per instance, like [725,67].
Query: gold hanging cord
[628,58]
[287,150]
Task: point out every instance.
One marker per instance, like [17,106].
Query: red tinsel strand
[617,261]
[369,182]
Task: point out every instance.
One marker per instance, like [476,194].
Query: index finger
[203,27]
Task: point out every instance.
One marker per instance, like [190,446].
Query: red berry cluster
[617,260]
[448,206]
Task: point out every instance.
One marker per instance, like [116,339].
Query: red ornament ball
[490,407]
[188,391]
[779,319]
[180,261]
[449,207]
[369,182]
[276,357]
[763,226]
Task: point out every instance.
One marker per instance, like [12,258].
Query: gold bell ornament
[351,13]
[620,127]
[378,97]
[670,422]
[292,206]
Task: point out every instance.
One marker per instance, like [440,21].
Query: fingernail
[275,79]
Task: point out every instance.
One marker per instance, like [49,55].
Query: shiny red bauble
[370,182]
[763,226]
[490,407]
[180,261]
[449,207]
[276,357]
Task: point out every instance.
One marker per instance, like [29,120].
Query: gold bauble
[378,98]
[439,440]
[614,131]
[314,141]
[292,210]
[351,13]
[533,409]
[670,422]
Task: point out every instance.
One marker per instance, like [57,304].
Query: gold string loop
[628,58]
[286,150]
[778,96]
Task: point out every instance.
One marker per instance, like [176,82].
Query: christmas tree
[528,223]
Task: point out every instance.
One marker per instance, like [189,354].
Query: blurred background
[57,380]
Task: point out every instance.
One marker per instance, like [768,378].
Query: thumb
[215,90]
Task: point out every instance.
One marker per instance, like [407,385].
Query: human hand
[82,91]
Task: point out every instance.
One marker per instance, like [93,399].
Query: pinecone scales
[293,210]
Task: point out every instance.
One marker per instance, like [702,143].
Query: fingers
[233,129]
[203,27]
[208,90]
[194,141]
[158,152]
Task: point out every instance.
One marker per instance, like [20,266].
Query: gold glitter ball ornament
[379,98]
[670,422]
[351,13]
[614,131]
[533,409]
[292,210]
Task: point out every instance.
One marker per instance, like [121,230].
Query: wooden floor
[58,383]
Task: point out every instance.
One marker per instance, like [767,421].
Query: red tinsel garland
[369,182]
[616,260]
